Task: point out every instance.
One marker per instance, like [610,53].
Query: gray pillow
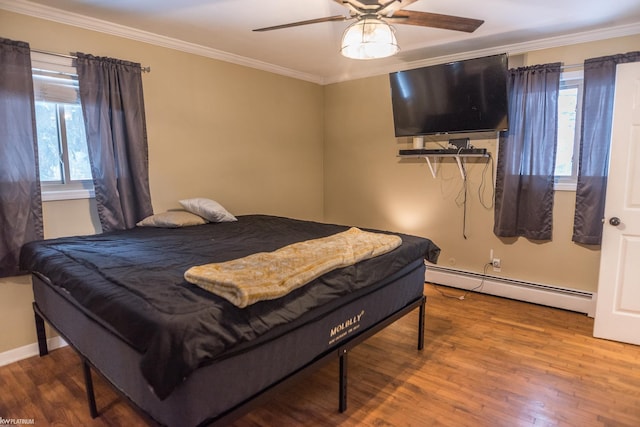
[208,209]
[172,219]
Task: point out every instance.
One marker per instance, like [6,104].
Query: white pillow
[172,219]
[208,209]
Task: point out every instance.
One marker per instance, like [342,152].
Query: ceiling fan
[371,36]
[389,11]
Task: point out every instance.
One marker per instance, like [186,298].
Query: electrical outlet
[497,266]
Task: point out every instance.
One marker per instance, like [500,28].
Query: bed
[186,356]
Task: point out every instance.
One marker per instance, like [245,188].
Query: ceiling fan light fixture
[369,38]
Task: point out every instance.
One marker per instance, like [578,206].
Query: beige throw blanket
[270,275]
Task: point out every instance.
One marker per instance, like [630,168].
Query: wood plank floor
[487,361]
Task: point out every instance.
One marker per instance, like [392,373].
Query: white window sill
[565,186]
[54,195]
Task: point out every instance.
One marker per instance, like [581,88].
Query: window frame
[43,63]
[572,79]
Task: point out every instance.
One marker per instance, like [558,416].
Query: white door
[618,305]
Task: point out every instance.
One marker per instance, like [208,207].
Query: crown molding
[52,14]
[69,18]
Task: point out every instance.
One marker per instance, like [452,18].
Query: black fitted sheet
[132,282]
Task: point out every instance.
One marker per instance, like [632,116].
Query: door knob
[615,221]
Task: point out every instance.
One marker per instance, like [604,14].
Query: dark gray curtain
[20,200]
[597,117]
[113,108]
[527,153]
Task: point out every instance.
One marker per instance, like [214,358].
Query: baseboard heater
[552,296]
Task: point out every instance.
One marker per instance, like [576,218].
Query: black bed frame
[341,351]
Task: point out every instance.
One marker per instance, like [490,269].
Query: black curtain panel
[113,108]
[527,154]
[20,199]
[597,119]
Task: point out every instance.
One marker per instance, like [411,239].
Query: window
[65,171]
[569,114]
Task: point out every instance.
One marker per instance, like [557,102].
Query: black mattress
[132,282]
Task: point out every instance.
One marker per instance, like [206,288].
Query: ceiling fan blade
[435,20]
[361,4]
[353,9]
[310,21]
[390,6]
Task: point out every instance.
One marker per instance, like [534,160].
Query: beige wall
[63,218]
[366,184]
[250,139]
[260,142]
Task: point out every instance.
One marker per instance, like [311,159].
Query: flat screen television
[461,96]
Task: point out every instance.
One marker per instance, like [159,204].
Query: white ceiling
[222,29]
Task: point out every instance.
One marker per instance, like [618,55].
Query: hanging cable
[483,184]
[464,208]
[464,296]
[463,192]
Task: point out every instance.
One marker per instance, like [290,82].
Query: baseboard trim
[29,350]
[552,296]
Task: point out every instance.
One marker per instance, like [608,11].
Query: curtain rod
[62,55]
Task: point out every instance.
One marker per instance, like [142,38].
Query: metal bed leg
[40,333]
[88,384]
[421,323]
[342,404]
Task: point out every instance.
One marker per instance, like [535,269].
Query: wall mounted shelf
[458,154]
